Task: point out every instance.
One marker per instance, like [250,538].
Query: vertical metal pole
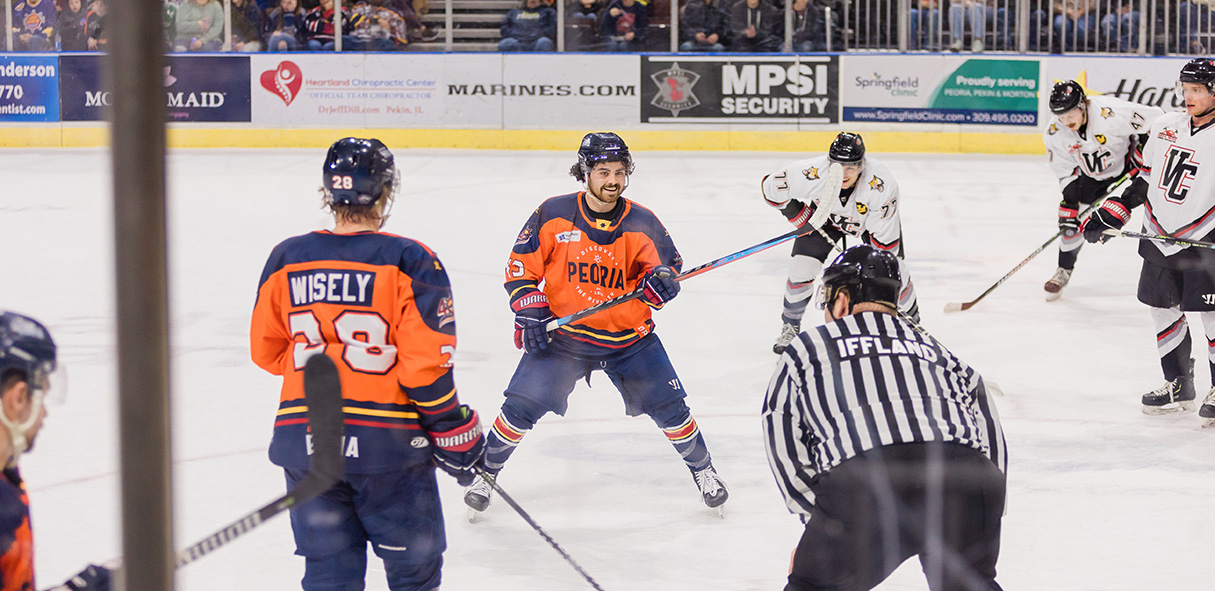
[674,26]
[560,25]
[902,18]
[1144,17]
[827,25]
[137,138]
[1023,28]
[337,25]
[449,21]
[789,25]
[8,27]
[227,25]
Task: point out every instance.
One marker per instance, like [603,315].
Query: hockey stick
[323,394]
[1161,238]
[489,478]
[705,268]
[958,307]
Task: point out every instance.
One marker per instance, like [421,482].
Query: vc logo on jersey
[1179,170]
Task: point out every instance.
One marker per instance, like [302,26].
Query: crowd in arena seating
[627,25]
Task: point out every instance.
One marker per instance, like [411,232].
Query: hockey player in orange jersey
[575,251]
[381,306]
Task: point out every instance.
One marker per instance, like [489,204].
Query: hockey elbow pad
[459,444]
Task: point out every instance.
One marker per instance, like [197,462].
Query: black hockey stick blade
[323,394]
[959,306]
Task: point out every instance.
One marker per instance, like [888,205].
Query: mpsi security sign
[735,89]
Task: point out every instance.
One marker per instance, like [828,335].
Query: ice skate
[477,496]
[1175,396]
[1054,285]
[1207,411]
[712,487]
[788,332]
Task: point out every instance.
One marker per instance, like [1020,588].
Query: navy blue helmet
[601,146]
[357,170]
[869,274]
[847,147]
[26,348]
[1065,96]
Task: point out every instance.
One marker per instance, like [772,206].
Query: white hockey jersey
[1181,191]
[1101,151]
[872,207]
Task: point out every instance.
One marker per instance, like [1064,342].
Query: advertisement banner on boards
[1138,80]
[739,89]
[347,90]
[940,89]
[564,91]
[210,88]
[29,88]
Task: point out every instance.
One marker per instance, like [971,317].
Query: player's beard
[599,194]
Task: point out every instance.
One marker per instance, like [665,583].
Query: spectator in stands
[624,25]
[168,20]
[200,26]
[962,13]
[532,27]
[926,17]
[378,28]
[582,23]
[703,26]
[319,22]
[98,34]
[1190,17]
[1120,27]
[34,25]
[808,31]
[285,26]
[246,26]
[73,20]
[755,27]
[1074,24]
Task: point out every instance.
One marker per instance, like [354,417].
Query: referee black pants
[940,501]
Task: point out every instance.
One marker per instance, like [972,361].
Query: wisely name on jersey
[381,306]
[581,258]
[1181,182]
[870,210]
[1105,147]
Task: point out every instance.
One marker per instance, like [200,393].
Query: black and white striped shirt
[865,381]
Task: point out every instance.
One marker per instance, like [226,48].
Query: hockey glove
[799,213]
[660,286]
[531,322]
[93,578]
[1112,215]
[1069,219]
[459,446]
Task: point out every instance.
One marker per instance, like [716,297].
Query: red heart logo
[285,81]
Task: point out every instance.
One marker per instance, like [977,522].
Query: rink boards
[946,103]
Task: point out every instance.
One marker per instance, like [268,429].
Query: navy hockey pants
[397,512]
[941,501]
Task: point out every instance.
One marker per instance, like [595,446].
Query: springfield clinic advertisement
[933,89]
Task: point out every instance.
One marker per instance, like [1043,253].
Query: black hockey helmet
[601,146]
[847,147]
[1198,71]
[869,274]
[357,170]
[1065,96]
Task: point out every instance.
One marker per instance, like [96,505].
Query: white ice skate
[712,488]
[1054,285]
[1207,411]
[788,332]
[477,497]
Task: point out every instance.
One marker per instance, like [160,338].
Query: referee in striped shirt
[884,443]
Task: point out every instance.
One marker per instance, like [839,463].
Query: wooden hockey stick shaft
[1161,238]
[490,478]
[958,307]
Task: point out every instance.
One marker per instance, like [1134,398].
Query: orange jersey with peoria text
[16,537]
[581,258]
[381,306]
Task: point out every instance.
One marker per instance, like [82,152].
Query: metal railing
[1134,27]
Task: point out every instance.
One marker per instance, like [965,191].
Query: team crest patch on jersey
[861,208]
[524,236]
[877,184]
[1168,134]
[1074,148]
[811,173]
[1053,129]
[446,312]
[570,236]
[1100,138]
[1106,112]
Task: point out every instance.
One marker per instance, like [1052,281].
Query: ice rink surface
[1101,497]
